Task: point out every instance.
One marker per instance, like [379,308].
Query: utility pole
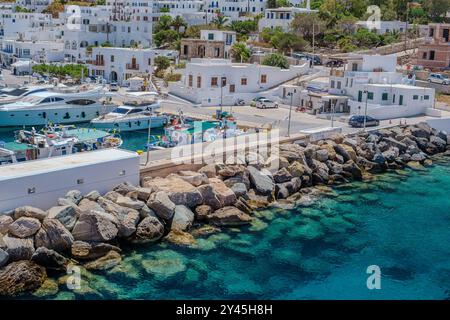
[406,26]
[313,42]
[290,112]
[222,84]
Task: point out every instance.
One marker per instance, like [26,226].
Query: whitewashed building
[236,9]
[215,81]
[121,64]
[382,27]
[281,17]
[35,5]
[228,38]
[371,82]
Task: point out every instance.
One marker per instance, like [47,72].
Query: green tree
[178,22]
[164,23]
[192,32]
[240,52]
[220,21]
[305,25]
[165,37]
[164,10]
[162,63]
[276,60]
[388,11]
[288,42]
[437,8]
[244,27]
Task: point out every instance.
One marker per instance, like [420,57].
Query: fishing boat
[63,105]
[137,113]
[54,141]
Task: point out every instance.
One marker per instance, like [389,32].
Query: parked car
[266,104]
[113,86]
[358,121]
[255,100]
[307,56]
[335,63]
[438,78]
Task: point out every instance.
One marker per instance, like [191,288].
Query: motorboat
[63,105]
[10,94]
[139,112]
[54,141]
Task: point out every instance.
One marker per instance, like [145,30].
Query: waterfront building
[372,83]
[219,81]
[116,64]
[212,44]
[435,52]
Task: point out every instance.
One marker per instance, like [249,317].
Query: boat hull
[131,125]
[59,115]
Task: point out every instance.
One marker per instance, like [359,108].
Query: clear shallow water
[400,222]
[132,140]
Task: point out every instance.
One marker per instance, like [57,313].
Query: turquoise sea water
[399,222]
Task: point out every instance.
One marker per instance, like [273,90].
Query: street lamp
[291,94]
[365,108]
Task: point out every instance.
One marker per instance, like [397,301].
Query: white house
[116,64]
[215,81]
[382,27]
[372,83]
[235,9]
[281,17]
[228,37]
[39,51]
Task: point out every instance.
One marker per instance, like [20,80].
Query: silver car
[438,78]
[266,104]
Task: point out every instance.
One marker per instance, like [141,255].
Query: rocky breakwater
[89,230]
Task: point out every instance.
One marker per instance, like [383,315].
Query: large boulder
[342,151]
[182,218]
[49,258]
[162,205]
[438,142]
[224,194]
[143,193]
[93,195]
[262,183]
[178,190]
[108,261]
[4,257]
[96,226]
[67,215]
[209,196]
[24,227]
[421,130]
[209,170]
[296,169]
[194,178]
[229,171]
[125,188]
[18,249]
[239,189]
[202,212]
[53,235]
[74,196]
[21,276]
[5,221]
[229,216]
[86,205]
[130,203]
[282,175]
[322,155]
[30,212]
[149,230]
[397,144]
[82,250]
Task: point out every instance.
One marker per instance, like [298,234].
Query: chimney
[308,4]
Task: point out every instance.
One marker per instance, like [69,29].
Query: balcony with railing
[132,66]
[96,62]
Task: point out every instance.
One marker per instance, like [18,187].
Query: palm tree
[240,52]
[220,21]
[179,22]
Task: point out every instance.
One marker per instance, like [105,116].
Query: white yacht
[58,105]
[133,115]
[9,95]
